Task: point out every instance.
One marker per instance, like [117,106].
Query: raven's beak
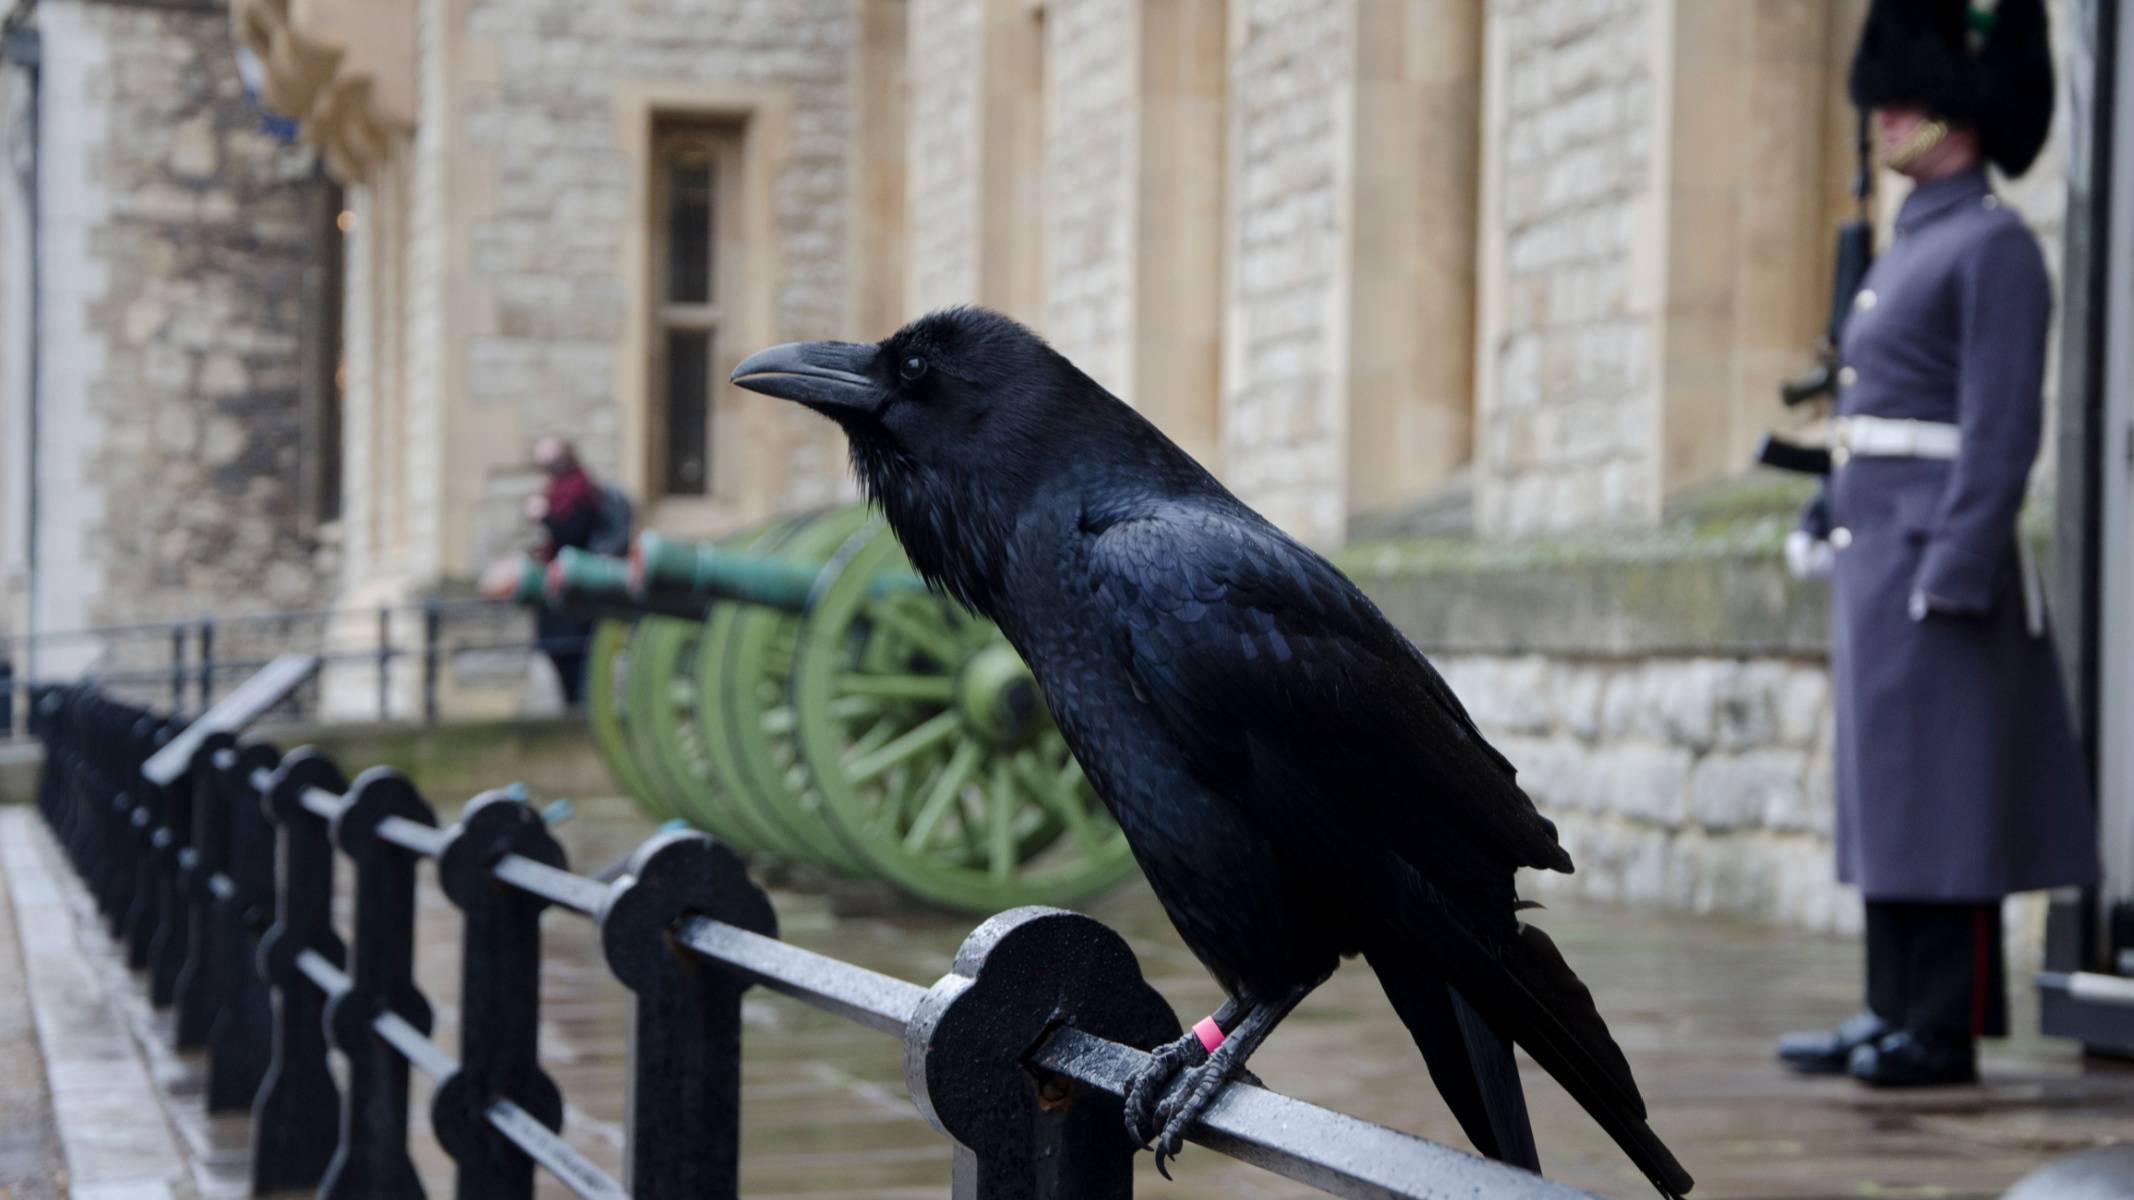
[828,376]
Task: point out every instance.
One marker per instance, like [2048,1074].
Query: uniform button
[1840,538]
[1847,377]
[1839,456]
[1990,203]
[1865,300]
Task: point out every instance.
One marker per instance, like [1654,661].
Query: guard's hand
[1808,556]
[536,507]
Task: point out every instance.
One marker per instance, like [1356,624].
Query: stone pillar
[1746,238]
[1412,254]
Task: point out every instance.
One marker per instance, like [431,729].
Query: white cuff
[1807,556]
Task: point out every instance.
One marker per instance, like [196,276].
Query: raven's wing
[1273,672]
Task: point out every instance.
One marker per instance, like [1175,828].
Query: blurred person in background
[572,509]
[1959,779]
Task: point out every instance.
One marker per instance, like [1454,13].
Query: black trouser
[1936,966]
[564,639]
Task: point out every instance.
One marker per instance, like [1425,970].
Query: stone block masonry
[174,250]
[1695,783]
[1568,358]
[1283,436]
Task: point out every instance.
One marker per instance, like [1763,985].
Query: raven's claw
[1148,1086]
[1196,1090]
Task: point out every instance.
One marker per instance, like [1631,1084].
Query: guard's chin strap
[1930,133]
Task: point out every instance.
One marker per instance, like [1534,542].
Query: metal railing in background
[220,882]
[188,664]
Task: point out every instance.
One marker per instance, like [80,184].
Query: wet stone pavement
[1695,1002]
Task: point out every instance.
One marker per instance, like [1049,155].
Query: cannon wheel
[744,671]
[679,775]
[607,714]
[674,695]
[931,748]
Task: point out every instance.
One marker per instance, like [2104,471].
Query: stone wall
[1568,426]
[1283,437]
[1695,783]
[174,241]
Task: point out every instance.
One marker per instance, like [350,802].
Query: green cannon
[797,691]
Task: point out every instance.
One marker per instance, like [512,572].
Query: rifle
[1855,254]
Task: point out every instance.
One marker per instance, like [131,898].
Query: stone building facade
[152,410]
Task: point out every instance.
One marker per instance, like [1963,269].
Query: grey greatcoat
[1958,773]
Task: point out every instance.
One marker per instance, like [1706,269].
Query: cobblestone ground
[1695,1002]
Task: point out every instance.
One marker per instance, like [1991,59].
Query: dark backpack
[611,522]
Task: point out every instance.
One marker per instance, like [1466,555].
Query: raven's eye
[912,368]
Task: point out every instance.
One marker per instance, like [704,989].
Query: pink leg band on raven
[1210,1034]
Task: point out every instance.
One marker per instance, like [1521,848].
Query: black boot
[1920,1058]
[1828,1052]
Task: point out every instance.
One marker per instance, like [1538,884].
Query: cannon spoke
[947,787]
[937,688]
[1059,796]
[928,639]
[1000,855]
[935,729]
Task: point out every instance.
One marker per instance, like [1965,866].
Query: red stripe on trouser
[1979,970]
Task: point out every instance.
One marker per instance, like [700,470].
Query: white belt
[1890,437]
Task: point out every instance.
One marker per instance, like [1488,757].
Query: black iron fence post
[143,808]
[385,662]
[115,818]
[207,665]
[684,1132]
[500,978]
[200,991]
[177,668]
[1015,978]
[296,1119]
[240,1039]
[169,838]
[373,1156]
[432,654]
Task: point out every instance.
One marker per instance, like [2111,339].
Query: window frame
[721,139]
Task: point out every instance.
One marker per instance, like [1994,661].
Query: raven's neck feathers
[958,523]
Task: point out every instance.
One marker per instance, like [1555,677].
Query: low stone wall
[1697,783]
[1665,696]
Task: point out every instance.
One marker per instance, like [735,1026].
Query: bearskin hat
[1976,63]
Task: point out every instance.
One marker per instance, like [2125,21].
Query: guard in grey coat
[1959,779]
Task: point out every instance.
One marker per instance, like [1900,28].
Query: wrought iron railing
[408,650]
[218,875]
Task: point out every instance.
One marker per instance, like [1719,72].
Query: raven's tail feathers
[1525,992]
[1552,1014]
[1470,1062]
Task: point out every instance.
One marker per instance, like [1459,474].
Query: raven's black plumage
[1296,780]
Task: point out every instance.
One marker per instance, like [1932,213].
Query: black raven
[1296,780]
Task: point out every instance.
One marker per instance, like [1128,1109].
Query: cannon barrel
[708,571]
[586,584]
